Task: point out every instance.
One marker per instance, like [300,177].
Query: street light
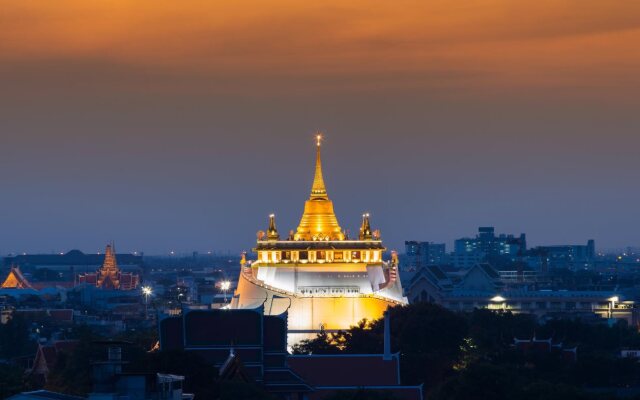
[146,291]
[225,285]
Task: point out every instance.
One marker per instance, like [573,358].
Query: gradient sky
[180,125]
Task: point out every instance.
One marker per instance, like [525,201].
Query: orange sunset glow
[481,45]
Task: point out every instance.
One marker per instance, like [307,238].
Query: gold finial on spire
[272,232]
[243,260]
[318,190]
[365,229]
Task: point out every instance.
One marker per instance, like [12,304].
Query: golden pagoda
[324,280]
[109,276]
[318,221]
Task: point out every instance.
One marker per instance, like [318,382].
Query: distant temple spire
[109,276]
[365,228]
[109,273]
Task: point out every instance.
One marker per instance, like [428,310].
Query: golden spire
[110,262]
[365,228]
[318,221]
[272,232]
[318,190]
[108,276]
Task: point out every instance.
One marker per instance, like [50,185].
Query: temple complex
[109,276]
[324,279]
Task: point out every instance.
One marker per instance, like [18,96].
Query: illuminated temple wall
[310,314]
[295,278]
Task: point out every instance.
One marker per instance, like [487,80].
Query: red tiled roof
[52,284]
[346,370]
[90,278]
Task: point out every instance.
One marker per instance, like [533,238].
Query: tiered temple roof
[15,280]
[109,276]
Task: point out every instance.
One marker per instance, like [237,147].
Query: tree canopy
[472,355]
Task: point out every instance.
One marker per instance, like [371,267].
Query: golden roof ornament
[394,258]
[365,228]
[272,232]
[109,274]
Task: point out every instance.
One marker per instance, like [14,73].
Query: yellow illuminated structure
[322,277]
[15,280]
[109,276]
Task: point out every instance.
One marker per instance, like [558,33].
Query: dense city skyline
[170,127]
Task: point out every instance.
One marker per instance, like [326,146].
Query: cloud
[288,45]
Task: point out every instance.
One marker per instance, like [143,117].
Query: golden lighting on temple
[318,220]
[320,277]
[15,280]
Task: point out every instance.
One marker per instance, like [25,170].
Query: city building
[466,260]
[420,254]
[324,279]
[223,337]
[563,256]
[482,287]
[470,251]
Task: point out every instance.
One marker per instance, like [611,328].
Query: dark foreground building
[249,346]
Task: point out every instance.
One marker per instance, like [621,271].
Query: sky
[179,126]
